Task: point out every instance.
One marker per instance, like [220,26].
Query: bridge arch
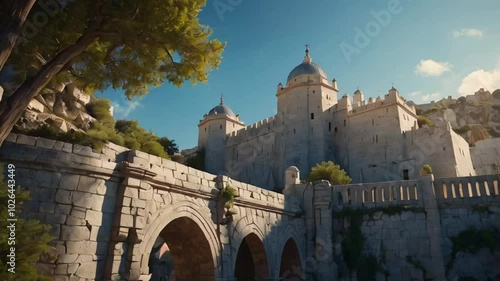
[190,221]
[251,250]
[291,245]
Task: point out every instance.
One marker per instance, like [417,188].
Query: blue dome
[306,68]
[222,109]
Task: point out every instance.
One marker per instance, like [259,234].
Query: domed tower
[212,132]
[303,108]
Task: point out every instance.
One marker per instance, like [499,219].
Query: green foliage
[126,133]
[422,120]
[197,161]
[389,210]
[169,145]
[136,137]
[136,44]
[330,172]
[426,170]
[366,266]
[32,240]
[177,158]
[472,240]
[228,195]
[432,110]
[482,208]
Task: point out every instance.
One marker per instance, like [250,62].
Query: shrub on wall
[330,172]
[426,170]
[422,120]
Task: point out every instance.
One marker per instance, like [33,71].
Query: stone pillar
[323,246]
[130,221]
[436,270]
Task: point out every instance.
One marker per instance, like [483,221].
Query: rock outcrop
[475,117]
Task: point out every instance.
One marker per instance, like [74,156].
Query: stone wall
[486,156]
[407,226]
[107,209]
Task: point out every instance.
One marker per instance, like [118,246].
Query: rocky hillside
[67,114]
[65,111]
[474,117]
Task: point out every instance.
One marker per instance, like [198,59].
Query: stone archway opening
[251,261]
[190,250]
[290,268]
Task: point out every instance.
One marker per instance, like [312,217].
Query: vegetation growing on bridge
[366,266]
[472,240]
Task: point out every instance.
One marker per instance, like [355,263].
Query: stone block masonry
[107,209]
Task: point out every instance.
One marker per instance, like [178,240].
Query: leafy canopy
[330,172]
[137,44]
[32,239]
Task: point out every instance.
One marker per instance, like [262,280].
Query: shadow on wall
[253,243]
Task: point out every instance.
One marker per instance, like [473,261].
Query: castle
[373,140]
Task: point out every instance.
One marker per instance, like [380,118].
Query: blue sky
[427,49]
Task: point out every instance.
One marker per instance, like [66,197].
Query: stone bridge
[107,209]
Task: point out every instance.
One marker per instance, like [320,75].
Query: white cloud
[431,97]
[432,68]
[413,94]
[489,80]
[122,111]
[468,32]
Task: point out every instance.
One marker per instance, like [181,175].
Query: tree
[138,138]
[12,17]
[31,240]
[169,145]
[126,44]
[330,172]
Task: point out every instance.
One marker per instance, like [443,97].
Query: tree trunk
[11,26]
[13,107]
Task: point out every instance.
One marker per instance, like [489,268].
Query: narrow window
[335,129]
[345,122]
[312,116]
[444,148]
[376,138]
[373,122]
[406,175]
[387,110]
[220,126]
[294,131]
[329,126]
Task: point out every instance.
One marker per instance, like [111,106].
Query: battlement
[363,106]
[258,128]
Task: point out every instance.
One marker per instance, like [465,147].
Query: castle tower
[303,109]
[358,98]
[212,131]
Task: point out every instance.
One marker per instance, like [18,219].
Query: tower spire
[307,58]
[221,99]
